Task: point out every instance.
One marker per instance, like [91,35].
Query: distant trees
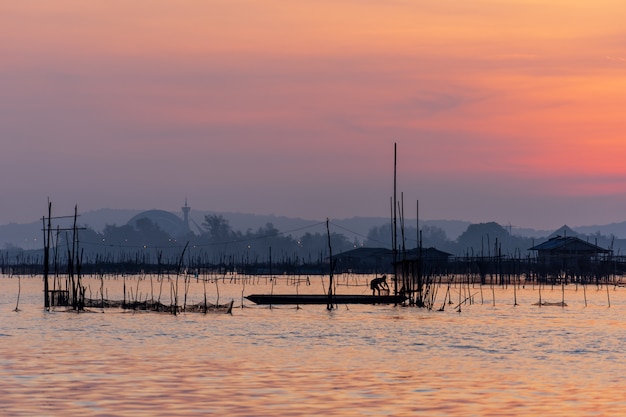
[491,239]
[481,239]
[432,236]
[258,246]
[379,237]
[217,229]
[219,244]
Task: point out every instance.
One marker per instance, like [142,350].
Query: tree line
[145,243]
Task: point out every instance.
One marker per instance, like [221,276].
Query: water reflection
[487,360]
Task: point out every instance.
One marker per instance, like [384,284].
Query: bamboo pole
[19,290]
[329,305]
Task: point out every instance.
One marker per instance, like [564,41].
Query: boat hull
[324,299]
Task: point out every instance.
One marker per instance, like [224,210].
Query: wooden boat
[302,299]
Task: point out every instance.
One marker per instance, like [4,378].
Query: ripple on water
[367,360]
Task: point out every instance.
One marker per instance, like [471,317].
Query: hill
[29,236]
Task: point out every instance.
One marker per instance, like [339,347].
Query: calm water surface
[490,359]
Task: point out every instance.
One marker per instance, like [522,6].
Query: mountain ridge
[28,235]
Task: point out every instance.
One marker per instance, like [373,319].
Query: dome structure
[168,222]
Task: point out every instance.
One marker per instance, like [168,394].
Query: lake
[493,358]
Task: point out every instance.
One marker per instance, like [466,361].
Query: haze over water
[487,360]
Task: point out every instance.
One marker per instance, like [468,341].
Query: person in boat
[378,284]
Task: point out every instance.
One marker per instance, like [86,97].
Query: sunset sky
[505,110]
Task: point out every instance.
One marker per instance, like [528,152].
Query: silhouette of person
[379,283]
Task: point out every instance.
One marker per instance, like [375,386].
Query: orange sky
[502,110]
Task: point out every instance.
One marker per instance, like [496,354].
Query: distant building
[379,260]
[166,221]
[568,250]
[570,259]
[364,260]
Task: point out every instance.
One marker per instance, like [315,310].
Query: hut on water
[570,258]
[381,260]
[365,260]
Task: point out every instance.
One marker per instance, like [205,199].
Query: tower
[186,210]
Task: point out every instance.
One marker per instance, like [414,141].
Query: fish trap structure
[68,291]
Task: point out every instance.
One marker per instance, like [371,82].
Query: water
[487,360]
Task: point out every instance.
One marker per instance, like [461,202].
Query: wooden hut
[570,258]
[364,260]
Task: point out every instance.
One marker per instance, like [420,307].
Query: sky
[501,110]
